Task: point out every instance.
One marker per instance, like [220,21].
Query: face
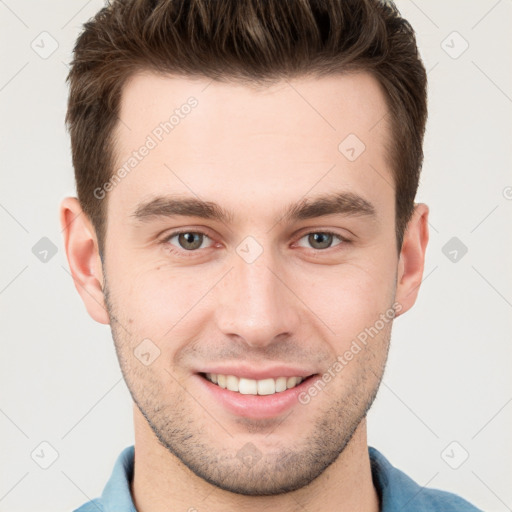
[247,246]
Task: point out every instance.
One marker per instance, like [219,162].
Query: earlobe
[412,258]
[81,247]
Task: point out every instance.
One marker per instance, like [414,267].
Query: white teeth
[248,387]
[232,383]
[221,381]
[253,387]
[290,383]
[266,387]
[281,384]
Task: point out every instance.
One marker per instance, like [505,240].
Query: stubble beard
[280,469]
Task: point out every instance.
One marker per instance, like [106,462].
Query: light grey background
[448,378]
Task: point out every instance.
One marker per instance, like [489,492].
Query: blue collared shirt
[397,492]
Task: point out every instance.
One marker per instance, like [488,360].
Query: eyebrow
[341,203]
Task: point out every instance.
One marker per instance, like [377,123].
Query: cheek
[349,298]
[156,301]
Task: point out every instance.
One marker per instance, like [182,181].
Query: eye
[321,240]
[187,240]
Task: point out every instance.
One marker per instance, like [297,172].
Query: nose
[256,302]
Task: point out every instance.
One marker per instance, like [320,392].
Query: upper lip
[251,372]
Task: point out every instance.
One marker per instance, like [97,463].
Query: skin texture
[254,151]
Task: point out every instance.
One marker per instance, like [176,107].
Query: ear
[83,257]
[412,258]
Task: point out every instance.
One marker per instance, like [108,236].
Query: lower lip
[255,406]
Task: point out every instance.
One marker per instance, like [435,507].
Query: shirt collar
[116,496]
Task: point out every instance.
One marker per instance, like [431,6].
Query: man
[245,222]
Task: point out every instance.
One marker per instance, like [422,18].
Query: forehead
[230,140]
[333,104]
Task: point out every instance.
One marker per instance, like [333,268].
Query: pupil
[187,240]
[323,239]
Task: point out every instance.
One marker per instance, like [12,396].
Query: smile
[251,386]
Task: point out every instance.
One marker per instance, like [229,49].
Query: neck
[162,483]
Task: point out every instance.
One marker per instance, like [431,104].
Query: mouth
[255,394]
[244,386]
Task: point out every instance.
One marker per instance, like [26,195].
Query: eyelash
[174,250]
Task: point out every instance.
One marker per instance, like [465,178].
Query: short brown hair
[250,41]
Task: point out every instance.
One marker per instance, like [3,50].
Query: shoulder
[116,494]
[91,506]
[442,501]
[398,491]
